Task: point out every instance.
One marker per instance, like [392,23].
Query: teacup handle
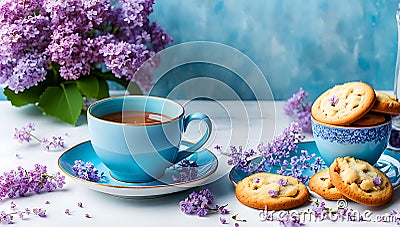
[190,150]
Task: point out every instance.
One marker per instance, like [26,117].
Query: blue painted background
[314,44]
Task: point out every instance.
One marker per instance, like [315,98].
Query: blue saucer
[207,164]
[388,163]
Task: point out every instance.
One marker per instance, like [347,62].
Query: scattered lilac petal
[333,100]
[282,182]
[256,180]
[20,214]
[40,212]
[223,220]
[273,193]
[377,181]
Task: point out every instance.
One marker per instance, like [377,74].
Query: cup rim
[387,121]
[182,110]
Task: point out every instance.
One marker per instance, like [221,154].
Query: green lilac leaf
[234,217]
[26,97]
[89,86]
[103,88]
[63,102]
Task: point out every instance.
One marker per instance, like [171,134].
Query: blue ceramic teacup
[366,143]
[141,152]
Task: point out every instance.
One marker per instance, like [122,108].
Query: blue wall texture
[313,44]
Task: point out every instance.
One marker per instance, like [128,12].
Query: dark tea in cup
[136,117]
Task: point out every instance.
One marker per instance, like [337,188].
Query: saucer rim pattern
[134,185]
[234,183]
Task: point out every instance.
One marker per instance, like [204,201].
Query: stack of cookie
[354,103]
[354,179]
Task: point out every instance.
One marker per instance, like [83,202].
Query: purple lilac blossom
[242,159]
[199,203]
[304,118]
[20,182]
[280,152]
[24,134]
[57,142]
[6,218]
[283,147]
[273,193]
[296,106]
[42,35]
[295,102]
[87,171]
[187,171]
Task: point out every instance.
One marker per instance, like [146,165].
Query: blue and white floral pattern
[351,136]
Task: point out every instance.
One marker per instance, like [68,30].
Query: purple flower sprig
[297,106]
[8,218]
[21,182]
[87,171]
[187,171]
[280,153]
[200,204]
[25,135]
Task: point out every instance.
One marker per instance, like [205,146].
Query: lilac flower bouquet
[53,53]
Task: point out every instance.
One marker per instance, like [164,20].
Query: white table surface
[235,123]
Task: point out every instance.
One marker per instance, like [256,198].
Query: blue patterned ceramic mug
[366,143]
[140,150]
